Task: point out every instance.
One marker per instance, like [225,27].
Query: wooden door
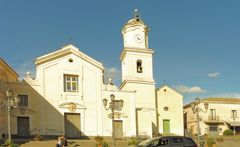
[72,123]
[118,128]
[166,126]
[23,126]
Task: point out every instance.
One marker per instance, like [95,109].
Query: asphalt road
[229,143]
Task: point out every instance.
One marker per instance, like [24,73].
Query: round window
[165,108]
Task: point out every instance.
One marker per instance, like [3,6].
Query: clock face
[138,38]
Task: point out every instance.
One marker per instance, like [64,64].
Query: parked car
[168,141]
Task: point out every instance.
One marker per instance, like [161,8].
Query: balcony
[213,118]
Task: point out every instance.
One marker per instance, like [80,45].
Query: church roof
[135,21]
[223,100]
[165,87]
[8,68]
[217,100]
[68,49]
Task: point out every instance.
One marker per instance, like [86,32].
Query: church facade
[66,97]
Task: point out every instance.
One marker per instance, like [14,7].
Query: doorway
[166,126]
[23,126]
[118,124]
[72,123]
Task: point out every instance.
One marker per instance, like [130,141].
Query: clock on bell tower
[135,33]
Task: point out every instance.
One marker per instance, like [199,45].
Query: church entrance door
[118,129]
[72,122]
[23,126]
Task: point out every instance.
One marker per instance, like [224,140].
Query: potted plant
[100,142]
[38,137]
[211,142]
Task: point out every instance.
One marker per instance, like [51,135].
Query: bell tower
[136,57]
[137,73]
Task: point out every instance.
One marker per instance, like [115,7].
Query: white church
[66,96]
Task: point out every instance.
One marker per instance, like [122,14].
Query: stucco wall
[166,97]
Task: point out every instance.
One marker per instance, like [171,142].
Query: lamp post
[196,109]
[9,103]
[113,105]
[234,116]
[234,128]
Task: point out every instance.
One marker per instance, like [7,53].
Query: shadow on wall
[40,118]
[155,130]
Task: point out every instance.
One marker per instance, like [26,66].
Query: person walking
[59,143]
[64,141]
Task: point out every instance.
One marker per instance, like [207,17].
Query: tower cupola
[135,32]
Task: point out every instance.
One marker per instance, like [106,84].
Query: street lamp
[196,109]
[113,105]
[234,117]
[11,102]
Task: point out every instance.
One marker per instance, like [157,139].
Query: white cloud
[213,74]
[189,90]
[228,95]
[112,73]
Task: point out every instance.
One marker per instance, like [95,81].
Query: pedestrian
[59,143]
[64,141]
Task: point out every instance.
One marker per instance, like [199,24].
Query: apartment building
[221,114]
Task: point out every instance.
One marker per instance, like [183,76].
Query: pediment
[167,88]
[64,51]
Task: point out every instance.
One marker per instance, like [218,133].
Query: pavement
[228,142]
[71,143]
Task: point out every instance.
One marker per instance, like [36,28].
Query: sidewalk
[72,143]
[229,143]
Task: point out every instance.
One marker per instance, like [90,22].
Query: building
[170,111]
[66,96]
[221,115]
[7,75]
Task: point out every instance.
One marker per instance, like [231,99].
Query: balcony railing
[213,118]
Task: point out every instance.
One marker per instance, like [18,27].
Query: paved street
[229,143]
[72,143]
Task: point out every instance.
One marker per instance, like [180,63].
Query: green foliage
[103,144]
[100,141]
[210,142]
[134,141]
[228,133]
[98,138]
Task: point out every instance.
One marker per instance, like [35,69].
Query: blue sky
[196,42]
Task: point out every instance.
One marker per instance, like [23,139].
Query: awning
[237,123]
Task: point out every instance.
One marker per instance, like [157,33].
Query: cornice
[136,82]
[66,50]
[222,101]
[136,50]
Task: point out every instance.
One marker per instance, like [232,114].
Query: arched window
[139,66]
